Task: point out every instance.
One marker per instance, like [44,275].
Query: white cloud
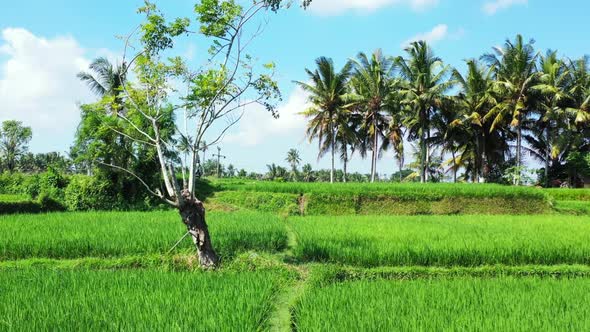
[437,34]
[38,86]
[257,124]
[492,7]
[334,7]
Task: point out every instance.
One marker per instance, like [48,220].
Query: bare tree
[211,101]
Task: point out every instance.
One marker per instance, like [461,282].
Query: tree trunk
[427,157]
[401,166]
[454,166]
[518,153]
[422,151]
[192,213]
[345,168]
[484,159]
[375,147]
[333,156]
[547,153]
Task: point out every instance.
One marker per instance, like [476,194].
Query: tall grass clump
[443,240]
[113,234]
[127,300]
[462,304]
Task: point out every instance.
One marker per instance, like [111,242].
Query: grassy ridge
[112,234]
[404,191]
[563,194]
[382,198]
[134,300]
[462,304]
[573,207]
[443,240]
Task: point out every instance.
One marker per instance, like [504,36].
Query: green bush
[20,207]
[86,193]
[49,203]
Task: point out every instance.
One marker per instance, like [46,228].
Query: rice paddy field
[448,304]
[115,271]
[134,300]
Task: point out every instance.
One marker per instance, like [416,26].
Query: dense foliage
[511,102]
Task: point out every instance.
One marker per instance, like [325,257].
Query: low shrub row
[52,191]
[42,204]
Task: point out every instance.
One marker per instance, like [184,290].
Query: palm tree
[346,139]
[424,83]
[552,86]
[450,134]
[326,95]
[474,101]
[372,87]
[293,159]
[515,74]
[580,91]
[307,173]
[105,79]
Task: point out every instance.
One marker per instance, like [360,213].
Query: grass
[404,191]
[443,240]
[461,304]
[45,300]
[573,207]
[115,234]
[564,194]
[381,198]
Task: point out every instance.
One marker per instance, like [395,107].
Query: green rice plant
[285,204]
[403,191]
[113,234]
[127,300]
[326,274]
[564,194]
[388,198]
[443,240]
[461,304]
[573,207]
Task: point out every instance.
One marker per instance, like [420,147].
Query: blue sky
[43,44]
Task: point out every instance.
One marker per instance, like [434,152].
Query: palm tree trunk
[345,163]
[400,158]
[375,147]
[333,148]
[423,155]
[477,158]
[484,159]
[518,153]
[547,153]
[427,147]
[454,166]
